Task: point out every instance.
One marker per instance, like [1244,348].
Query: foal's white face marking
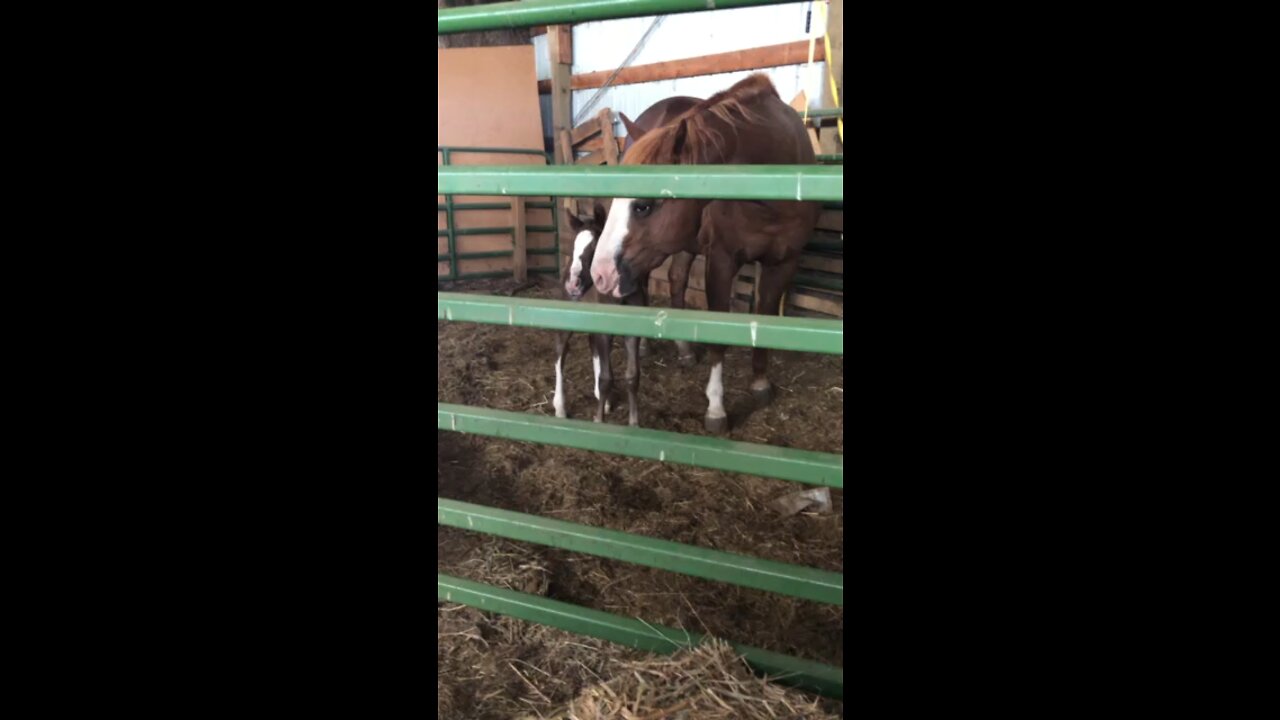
[604,268]
[572,284]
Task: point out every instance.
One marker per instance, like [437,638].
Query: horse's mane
[692,138]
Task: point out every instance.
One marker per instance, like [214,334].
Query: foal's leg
[773,282]
[632,380]
[562,350]
[600,350]
[721,270]
[635,348]
[678,277]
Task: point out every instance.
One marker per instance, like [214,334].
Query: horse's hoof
[763,396]
[718,426]
[687,361]
[608,407]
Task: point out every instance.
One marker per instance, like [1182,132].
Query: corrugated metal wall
[603,46]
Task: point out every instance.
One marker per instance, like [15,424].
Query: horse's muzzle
[626,281]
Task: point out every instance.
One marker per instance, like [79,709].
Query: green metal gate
[798,182]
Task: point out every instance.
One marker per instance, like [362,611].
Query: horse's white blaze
[575,270]
[595,363]
[715,392]
[604,268]
[559,401]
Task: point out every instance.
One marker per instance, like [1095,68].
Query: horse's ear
[634,131]
[574,221]
[601,214]
[675,141]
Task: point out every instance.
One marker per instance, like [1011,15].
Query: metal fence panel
[631,632]
[767,331]
[806,466]
[725,182]
[555,12]
[781,578]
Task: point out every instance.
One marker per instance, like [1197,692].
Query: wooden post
[560,50]
[605,118]
[835,28]
[519,256]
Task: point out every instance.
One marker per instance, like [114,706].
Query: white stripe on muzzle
[604,268]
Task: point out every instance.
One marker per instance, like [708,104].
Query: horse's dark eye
[641,209]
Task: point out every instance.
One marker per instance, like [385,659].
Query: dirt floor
[495,667]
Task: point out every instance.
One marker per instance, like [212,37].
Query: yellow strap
[831,76]
[809,68]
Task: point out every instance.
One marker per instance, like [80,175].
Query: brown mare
[748,124]
[578,285]
[662,113]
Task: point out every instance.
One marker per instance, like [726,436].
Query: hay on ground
[709,682]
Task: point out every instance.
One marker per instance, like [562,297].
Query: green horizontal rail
[825,282]
[492,150]
[632,632]
[497,254]
[805,466]
[726,182]
[824,112]
[766,331]
[825,246]
[556,12]
[536,205]
[781,578]
[501,230]
[835,158]
[474,206]
[501,274]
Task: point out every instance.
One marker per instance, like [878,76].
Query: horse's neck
[776,137]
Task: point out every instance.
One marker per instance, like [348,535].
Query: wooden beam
[595,158]
[794,53]
[586,130]
[565,155]
[605,118]
[560,43]
[519,256]
[564,42]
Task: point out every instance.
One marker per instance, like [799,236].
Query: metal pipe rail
[451,208]
[804,466]
[556,12]
[723,182]
[632,632]
[776,577]
[765,331]
[823,112]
